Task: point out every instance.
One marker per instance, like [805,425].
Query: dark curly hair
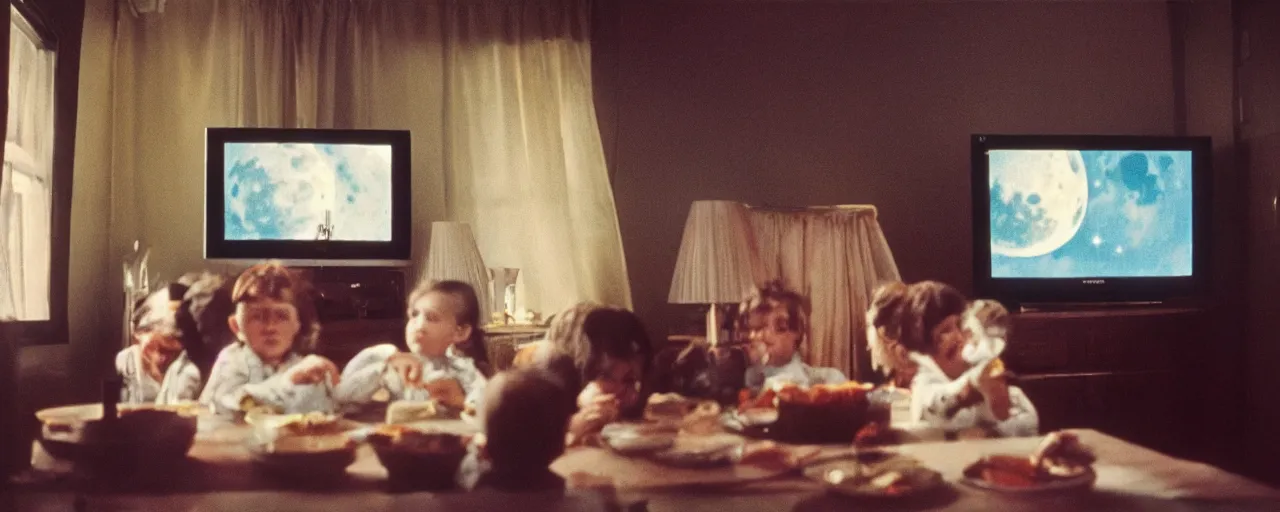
[909,313]
[202,315]
[752,312]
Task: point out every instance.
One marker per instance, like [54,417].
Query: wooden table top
[219,475]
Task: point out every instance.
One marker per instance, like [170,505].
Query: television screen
[310,197]
[307,191]
[1069,213]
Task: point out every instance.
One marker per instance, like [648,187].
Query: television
[309,197]
[1090,220]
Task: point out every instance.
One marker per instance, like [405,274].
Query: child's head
[923,317]
[777,319]
[884,330]
[987,318]
[526,415]
[442,314]
[202,316]
[620,353]
[274,312]
[155,330]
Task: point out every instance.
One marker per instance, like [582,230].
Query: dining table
[219,474]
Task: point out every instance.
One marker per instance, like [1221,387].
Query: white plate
[920,479]
[1082,481]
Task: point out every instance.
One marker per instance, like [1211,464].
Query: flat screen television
[1090,219]
[308,197]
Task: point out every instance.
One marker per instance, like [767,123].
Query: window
[26,187]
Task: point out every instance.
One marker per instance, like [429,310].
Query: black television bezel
[392,253]
[1101,290]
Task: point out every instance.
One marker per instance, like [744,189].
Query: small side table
[502,342]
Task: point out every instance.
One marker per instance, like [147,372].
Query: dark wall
[1258,75]
[807,103]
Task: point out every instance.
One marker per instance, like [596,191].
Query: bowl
[139,437]
[304,459]
[418,460]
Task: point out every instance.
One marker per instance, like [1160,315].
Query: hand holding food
[600,411]
[447,392]
[314,369]
[407,366]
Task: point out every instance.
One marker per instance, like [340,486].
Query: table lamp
[454,256]
[714,265]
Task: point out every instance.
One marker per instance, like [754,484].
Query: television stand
[1087,306]
[358,307]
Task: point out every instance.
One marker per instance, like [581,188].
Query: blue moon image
[1080,214]
[300,191]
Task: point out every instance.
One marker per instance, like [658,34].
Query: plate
[631,439]
[857,479]
[1083,480]
[754,423]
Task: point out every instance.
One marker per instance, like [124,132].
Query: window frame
[55,331]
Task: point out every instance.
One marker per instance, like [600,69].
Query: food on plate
[408,411]
[703,420]
[699,456]
[823,413]
[1005,471]
[1062,455]
[891,476]
[636,439]
[402,438]
[309,444]
[251,406]
[1059,457]
[310,424]
[669,407]
[772,456]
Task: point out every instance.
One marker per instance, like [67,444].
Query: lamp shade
[454,256]
[714,265]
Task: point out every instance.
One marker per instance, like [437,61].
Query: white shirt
[240,373]
[795,371]
[935,400]
[367,373]
[181,380]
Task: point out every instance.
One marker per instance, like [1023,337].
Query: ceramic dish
[1042,482]
[888,477]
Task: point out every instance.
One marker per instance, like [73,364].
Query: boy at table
[526,414]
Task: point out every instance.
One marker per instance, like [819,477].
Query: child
[275,326]
[156,369]
[525,414]
[775,321]
[442,317]
[923,319]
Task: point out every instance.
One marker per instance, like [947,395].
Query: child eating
[443,328]
[775,321]
[275,326]
[924,321]
[155,368]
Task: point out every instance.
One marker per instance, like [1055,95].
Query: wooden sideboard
[1128,373]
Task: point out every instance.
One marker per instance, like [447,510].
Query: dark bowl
[429,462]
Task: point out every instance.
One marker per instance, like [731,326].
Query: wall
[804,103]
[57,370]
[1208,80]
[1258,78]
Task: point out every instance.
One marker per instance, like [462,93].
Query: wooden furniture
[1125,372]
[219,476]
[502,342]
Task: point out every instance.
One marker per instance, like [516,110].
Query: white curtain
[836,256]
[26,187]
[497,94]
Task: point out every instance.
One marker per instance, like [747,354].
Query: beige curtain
[497,94]
[835,256]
